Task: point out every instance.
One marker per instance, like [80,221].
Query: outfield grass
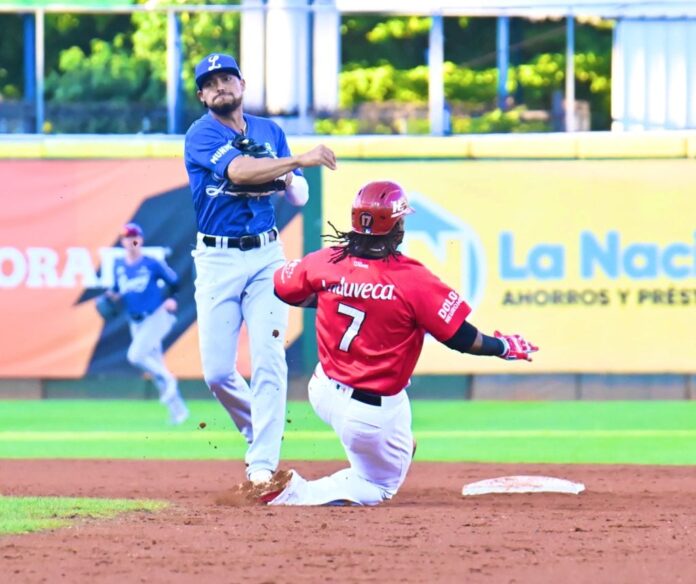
[649,432]
[27,514]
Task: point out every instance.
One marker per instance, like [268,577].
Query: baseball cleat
[178,412]
[342,503]
[179,417]
[248,493]
[274,487]
[259,477]
[170,393]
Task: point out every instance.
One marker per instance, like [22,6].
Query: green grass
[27,514]
[635,432]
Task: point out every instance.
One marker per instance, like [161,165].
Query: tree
[128,62]
[11,72]
[121,59]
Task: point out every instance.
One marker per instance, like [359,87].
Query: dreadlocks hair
[350,243]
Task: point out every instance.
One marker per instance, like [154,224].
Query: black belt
[243,243]
[366,397]
[139,317]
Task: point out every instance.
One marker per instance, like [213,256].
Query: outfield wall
[586,243]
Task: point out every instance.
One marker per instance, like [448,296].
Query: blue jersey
[208,152]
[138,284]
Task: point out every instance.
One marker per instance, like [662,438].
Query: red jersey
[372,315]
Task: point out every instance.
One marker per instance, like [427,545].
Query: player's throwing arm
[235,161]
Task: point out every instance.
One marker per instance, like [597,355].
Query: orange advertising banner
[58,240]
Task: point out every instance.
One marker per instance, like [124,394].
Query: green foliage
[65,30]
[106,73]
[340,127]
[469,85]
[121,59]
[546,73]
[538,79]
[379,68]
[399,28]
[367,41]
[383,83]
[11,72]
[476,90]
[497,121]
[206,33]
[131,64]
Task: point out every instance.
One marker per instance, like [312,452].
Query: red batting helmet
[378,206]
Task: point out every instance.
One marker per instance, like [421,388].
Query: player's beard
[226,108]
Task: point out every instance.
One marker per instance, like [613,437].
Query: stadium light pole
[503,58]
[570,75]
[29,22]
[174,60]
[30,80]
[40,66]
[436,81]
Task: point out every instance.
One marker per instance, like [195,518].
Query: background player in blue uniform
[137,283]
[234,162]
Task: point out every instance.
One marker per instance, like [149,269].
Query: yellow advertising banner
[592,260]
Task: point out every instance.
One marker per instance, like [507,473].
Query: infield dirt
[634,524]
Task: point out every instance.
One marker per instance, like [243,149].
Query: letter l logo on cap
[213,60]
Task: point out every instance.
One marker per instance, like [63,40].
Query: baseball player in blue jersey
[137,281]
[234,162]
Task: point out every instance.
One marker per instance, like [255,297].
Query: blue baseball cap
[213,63]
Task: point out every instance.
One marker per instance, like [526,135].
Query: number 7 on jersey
[353,329]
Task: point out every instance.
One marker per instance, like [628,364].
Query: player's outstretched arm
[246,170]
[516,347]
[318,156]
[468,339]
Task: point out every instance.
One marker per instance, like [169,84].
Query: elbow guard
[297,193]
[463,339]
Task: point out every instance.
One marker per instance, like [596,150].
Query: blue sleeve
[207,147]
[114,287]
[162,271]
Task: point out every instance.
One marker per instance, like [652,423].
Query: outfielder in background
[235,161]
[144,286]
[374,306]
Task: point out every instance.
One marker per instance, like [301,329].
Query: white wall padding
[326,55]
[253,54]
[287,56]
[654,74]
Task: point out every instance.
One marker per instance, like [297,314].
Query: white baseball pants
[377,439]
[234,286]
[145,350]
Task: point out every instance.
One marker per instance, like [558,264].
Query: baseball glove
[107,307]
[248,147]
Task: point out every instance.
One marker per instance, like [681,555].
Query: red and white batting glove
[516,348]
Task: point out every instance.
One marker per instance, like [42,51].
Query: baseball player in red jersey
[374,307]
